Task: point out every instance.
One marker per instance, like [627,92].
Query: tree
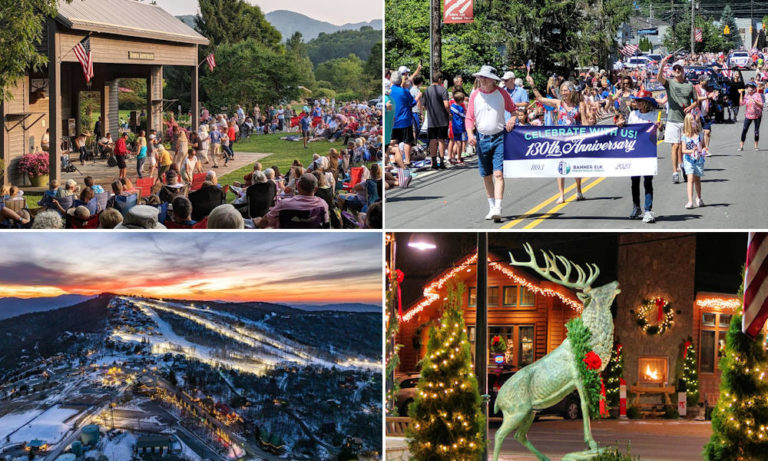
[612,375]
[740,418]
[732,40]
[347,75]
[446,414]
[689,372]
[296,48]
[679,36]
[22,31]
[248,73]
[343,42]
[233,21]
[645,44]
[172,377]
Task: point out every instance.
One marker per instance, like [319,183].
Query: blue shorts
[693,167]
[490,153]
[459,135]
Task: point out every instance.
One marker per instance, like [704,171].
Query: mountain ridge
[13,307]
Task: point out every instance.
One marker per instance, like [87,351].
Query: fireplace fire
[652,370]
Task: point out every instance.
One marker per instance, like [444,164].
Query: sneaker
[491,213]
[497,214]
[675,178]
[580,196]
[442,165]
[741,149]
[648,217]
[689,205]
[635,212]
[699,202]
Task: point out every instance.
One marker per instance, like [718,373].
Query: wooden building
[528,312]
[128,39]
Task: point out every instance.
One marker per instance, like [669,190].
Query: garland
[587,362]
[498,345]
[664,319]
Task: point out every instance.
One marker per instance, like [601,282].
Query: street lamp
[422,242]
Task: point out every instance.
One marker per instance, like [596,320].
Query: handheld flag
[83,54]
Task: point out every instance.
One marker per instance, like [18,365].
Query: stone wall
[655,265]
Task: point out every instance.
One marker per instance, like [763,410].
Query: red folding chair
[355,177]
[197,181]
[144,185]
[90,223]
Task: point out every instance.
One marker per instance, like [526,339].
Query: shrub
[633,412]
[34,164]
[614,454]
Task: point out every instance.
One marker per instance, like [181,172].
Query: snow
[13,421]
[119,448]
[49,426]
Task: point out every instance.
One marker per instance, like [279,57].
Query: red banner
[457,11]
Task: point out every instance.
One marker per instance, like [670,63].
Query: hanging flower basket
[36,166]
[498,345]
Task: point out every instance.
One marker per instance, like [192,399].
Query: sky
[243,266]
[336,12]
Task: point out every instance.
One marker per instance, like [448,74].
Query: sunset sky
[243,266]
[337,12]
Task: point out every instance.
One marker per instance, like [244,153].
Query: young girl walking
[693,158]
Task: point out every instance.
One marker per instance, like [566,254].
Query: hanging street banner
[457,11]
[580,151]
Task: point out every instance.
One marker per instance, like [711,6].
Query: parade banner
[580,151]
[457,11]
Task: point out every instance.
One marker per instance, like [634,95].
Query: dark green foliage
[22,22]
[633,412]
[348,75]
[734,39]
[671,413]
[612,374]
[249,72]
[689,373]
[295,47]
[679,36]
[447,409]
[614,454]
[233,21]
[741,413]
[343,43]
[580,336]
[392,349]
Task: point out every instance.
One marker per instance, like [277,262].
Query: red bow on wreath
[660,302]
[685,349]
[495,340]
[400,277]
[592,360]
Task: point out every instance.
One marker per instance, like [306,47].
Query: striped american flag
[756,284]
[211,60]
[629,50]
[698,35]
[83,54]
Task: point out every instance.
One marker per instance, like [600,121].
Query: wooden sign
[141,55]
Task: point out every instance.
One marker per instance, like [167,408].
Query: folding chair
[197,181]
[355,177]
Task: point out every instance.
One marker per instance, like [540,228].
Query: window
[510,296]
[493,296]
[525,345]
[519,340]
[472,297]
[527,297]
[714,328]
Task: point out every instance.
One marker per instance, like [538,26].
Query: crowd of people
[438,127]
[176,177]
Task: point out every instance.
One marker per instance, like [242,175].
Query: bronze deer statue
[554,376]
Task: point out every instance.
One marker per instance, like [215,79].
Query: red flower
[593,361]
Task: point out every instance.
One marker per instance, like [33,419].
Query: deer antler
[584,281]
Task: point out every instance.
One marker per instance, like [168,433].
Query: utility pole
[751,20]
[693,16]
[435,38]
[481,327]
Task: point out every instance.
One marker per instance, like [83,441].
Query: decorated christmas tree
[690,374]
[612,375]
[740,419]
[447,423]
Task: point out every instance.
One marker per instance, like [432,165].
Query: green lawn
[283,153]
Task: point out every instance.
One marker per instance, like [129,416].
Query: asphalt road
[651,440]
[733,189]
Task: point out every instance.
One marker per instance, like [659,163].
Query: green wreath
[587,362]
[498,345]
[667,316]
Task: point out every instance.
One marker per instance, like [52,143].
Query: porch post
[195,97]
[481,328]
[54,101]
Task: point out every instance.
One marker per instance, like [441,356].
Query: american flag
[629,50]
[698,35]
[756,284]
[83,54]
[211,60]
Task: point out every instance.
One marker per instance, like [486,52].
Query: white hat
[404,70]
[508,75]
[141,217]
[152,137]
[487,72]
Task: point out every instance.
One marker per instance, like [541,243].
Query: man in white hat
[485,113]
[407,76]
[516,92]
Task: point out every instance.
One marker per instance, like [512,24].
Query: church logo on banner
[458,11]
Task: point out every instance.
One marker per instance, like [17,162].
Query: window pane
[725,320]
[708,319]
[493,296]
[526,345]
[471,338]
[501,359]
[472,293]
[510,296]
[721,343]
[527,297]
[707,352]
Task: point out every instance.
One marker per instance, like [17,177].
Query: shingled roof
[128,18]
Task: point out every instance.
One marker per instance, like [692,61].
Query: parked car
[569,407]
[654,57]
[739,60]
[637,62]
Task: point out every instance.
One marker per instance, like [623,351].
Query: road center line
[537,208]
[560,206]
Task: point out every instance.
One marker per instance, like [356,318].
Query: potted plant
[36,166]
